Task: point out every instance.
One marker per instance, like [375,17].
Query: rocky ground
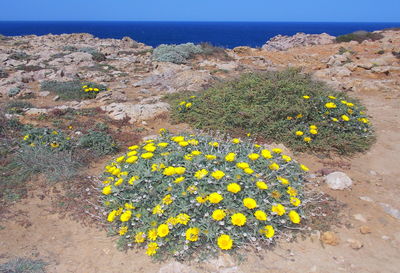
[368,240]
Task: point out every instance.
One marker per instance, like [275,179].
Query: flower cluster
[176,194]
[91,90]
[186,105]
[54,139]
[336,114]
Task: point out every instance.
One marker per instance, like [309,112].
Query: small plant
[343,50]
[215,51]
[70,48]
[176,53]
[99,143]
[20,56]
[287,107]
[73,90]
[45,137]
[29,68]
[17,107]
[181,194]
[23,265]
[359,36]
[380,52]
[98,57]
[13,91]
[3,74]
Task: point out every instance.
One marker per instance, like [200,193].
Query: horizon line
[198,21]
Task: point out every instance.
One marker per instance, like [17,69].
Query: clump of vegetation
[396,54]
[286,106]
[177,195]
[70,48]
[23,265]
[99,143]
[359,36]
[17,107]
[98,57]
[29,68]
[178,54]
[214,51]
[342,50]
[3,74]
[19,56]
[13,91]
[73,90]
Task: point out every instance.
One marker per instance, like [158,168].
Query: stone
[366,198]
[44,93]
[355,244]
[56,98]
[360,217]
[283,42]
[395,213]
[176,267]
[338,181]
[36,111]
[330,238]
[365,229]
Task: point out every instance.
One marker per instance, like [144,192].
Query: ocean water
[225,34]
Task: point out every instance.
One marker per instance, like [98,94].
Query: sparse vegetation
[285,106]
[359,36]
[178,54]
[23,265]
[3,74]
[73,90]
[214,51]
[99,143]
[20,56]
[17,107]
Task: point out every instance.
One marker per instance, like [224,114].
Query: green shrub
[181,194]
[70,48]
[176,53]
[359,36]
[275,106]
[99,143]
[17,107]
[29,68]
[73,90]
[215,51]
[23,265]
[45,137]
[98,57]
[20,56]
[13,91]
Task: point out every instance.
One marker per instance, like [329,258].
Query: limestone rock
[365,229]
[176,267]
[330,238]
[283,42]
[391,210]
[338,181]
[355,244]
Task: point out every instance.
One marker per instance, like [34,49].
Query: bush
[182,194]
[99,143]
[73,90]
[215,51]
[286,107]
[13,91]
[176,53]
[29,68]
[3,74]
[98,57]
[17,107]
[23,265]
[20,56]
[359,36]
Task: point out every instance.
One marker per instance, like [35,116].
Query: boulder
[135,112]
[338,181]
[283,42]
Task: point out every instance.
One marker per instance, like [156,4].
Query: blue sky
[204,10]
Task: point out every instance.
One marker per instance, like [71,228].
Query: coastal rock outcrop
[283,42]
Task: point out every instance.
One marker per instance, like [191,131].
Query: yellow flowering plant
[170,204]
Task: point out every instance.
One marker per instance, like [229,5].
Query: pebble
[366,198]
[338,181]
[360,217]
[330,238]
[355,244]
[365,229]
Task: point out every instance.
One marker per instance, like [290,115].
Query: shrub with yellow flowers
[178,194]
[186,105]
[91,90]
[54,139]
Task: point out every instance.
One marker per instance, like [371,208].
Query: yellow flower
[201,173]
[167,199]
[299,116]
[192,189]
[345,118]
[224,242]
[218,174]
[26,137]
[129,206]
[120,159]
[278,209]
[284,181]
[276,194]
[214,144]
[238,219]
[182,218]
[294,217]
[152,249]
[123,230]
[306,97]
[210,157]
[248,171]
[150,147]
[332,97]
[218,214]
[188,157]
[163,144]
[260,215]
[253,156]
[274,167]
[304,168]
[262,185]
[183,143]
[134,147]
[299,133]
[277,150]
[196,153]
[291,191]
[330,105]
[169,171]
[178,138]
[133,179]
[54,145]
[313,131]
[235,141]
[268,231]
[158,210]
[140,237]
[201,199]
[307,139]
[193,142]
[249,203]
[119,182]
[349,104]
[85,86]
[107,190]
[233,187]
[125,216]
[266,154]
[111,216]
[188,105]
[295,201]
[171,221]
[54,133]
[192,234]
[152,234]
[242,165]
[230,157]
[179,179]
[215,198]
[147,155]
[162,230]
[180,170]
[286,158]
[131,153]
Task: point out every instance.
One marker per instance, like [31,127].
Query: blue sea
[225,34]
